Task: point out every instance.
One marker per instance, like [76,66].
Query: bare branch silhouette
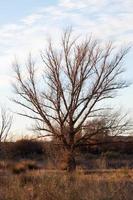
[75,82]
[6,123]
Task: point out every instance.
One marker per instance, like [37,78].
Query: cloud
[89,16]
[80,4]
[32,19]
[5,80]
[106,19]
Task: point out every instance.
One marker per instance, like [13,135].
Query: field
[34,171]
[58,185]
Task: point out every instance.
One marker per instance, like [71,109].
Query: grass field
[56,185]
[42,177]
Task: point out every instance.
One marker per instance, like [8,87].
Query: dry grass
[56,185]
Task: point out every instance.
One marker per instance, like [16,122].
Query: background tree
[106,125]
[75,81]
[5,124]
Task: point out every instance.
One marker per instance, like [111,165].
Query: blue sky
[26,25]
[13,10]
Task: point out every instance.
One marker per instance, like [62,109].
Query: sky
[26,25]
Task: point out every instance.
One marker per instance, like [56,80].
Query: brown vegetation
[60,186]
[104,176]
[49,155]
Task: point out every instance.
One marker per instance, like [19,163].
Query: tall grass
[61,186]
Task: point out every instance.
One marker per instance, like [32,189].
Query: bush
[111,154]
[31,165]
[26,149]
[24,165]
[19,168]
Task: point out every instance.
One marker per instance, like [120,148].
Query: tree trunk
[71,163]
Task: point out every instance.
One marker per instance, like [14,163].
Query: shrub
[32,165]
[19,168]
[111,154]
[23,166]
[26,148]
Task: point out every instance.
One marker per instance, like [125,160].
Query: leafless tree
[6,123]
[75,81]
[106,128]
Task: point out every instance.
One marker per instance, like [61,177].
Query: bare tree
[71,88]
[106,127]
[6,123]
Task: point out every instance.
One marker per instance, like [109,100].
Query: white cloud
[5,80]
[80,4]
[32,19]
[31,32]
